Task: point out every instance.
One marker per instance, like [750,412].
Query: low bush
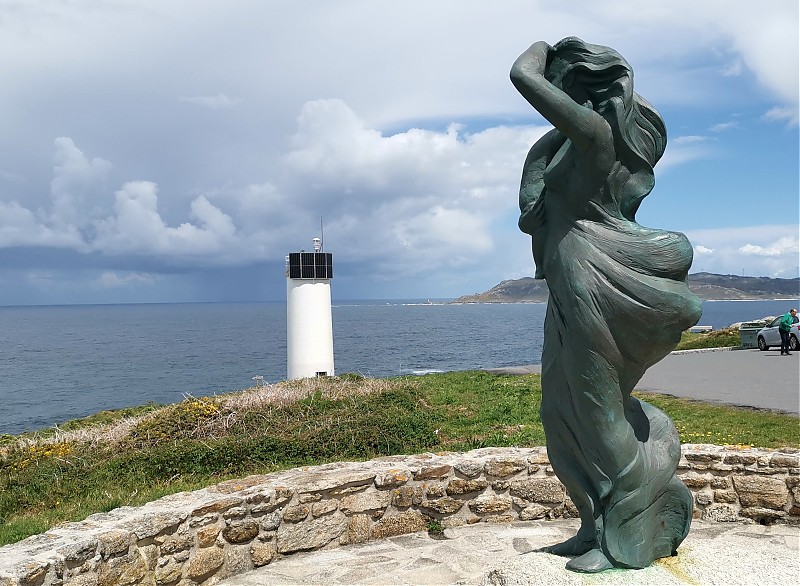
[725,338]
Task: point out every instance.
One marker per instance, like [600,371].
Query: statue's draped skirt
[618,304]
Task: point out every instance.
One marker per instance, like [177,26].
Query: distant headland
[707,286]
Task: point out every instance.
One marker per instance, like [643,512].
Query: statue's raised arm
[618,303]
[538,76]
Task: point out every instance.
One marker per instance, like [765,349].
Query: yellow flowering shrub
[183,420]
[25,457]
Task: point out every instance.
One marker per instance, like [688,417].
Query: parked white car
[770,336]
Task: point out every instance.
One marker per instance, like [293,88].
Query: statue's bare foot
[591,562]
[575,545]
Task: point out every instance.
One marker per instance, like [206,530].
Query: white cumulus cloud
[783,246]
[136,227]
[689,139]
[755,250]
[788,114]
[723,126]
[78,185]
[410,201]
[20,226]
[417,199]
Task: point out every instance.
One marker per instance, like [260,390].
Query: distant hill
[711,286]
[705,285]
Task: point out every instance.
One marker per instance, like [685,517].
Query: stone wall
[203,536]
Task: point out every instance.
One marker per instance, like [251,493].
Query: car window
[775,322]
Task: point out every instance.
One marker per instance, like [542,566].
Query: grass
[707,423]
[136,455]
[724,338]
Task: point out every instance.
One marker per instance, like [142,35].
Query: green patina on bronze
[618,303]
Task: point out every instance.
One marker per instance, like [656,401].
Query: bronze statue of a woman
[618,303]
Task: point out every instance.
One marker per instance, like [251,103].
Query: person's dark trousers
[784,342]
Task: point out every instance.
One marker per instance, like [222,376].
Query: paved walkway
[488,554]
[750,378]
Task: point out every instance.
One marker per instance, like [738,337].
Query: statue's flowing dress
[618,304]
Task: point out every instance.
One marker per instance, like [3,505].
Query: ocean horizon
[62,362]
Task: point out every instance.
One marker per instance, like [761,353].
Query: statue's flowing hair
[640,135]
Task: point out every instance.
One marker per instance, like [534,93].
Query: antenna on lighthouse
[321,235]
[309,326]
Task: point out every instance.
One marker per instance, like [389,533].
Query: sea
[64,362]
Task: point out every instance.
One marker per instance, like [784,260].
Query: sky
[177,151]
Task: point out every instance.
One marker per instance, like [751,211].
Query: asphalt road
[765,380]
[749,378]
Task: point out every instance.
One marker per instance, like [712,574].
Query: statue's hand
[557,73]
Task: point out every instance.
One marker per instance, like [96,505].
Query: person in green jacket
[783,327]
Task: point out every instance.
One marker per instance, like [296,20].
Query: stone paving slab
[503,554]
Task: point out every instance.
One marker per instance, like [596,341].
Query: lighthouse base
[309,328]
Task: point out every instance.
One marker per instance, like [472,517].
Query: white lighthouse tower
[309,327]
